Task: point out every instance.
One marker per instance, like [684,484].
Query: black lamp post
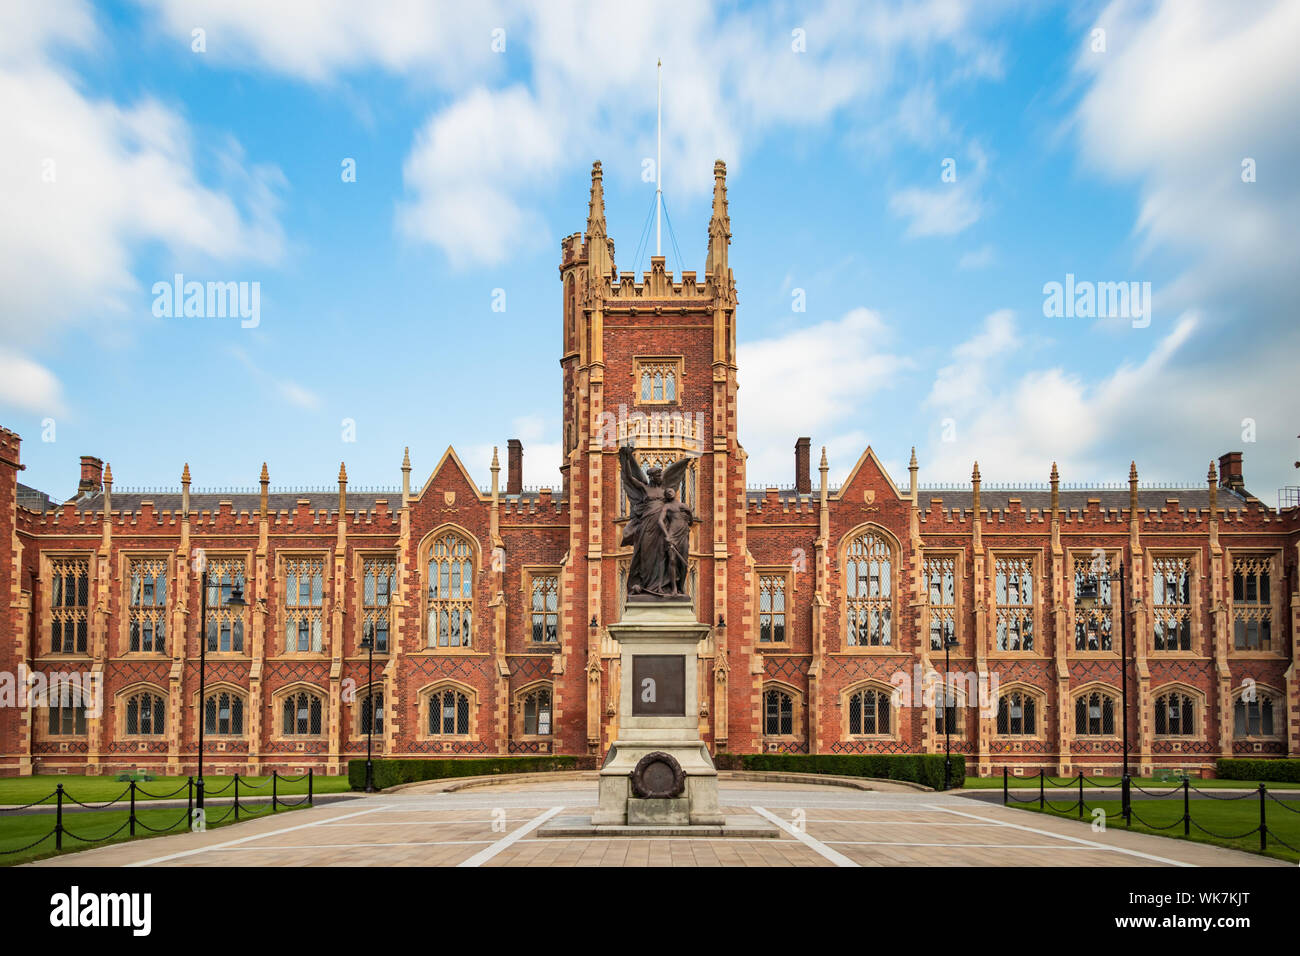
[949,642]
[368,643]
[236,600]
[1087,597]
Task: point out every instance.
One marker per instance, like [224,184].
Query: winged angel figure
[659,527]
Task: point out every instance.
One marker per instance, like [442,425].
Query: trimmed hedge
[1246,768]
[391,771]
[925,769]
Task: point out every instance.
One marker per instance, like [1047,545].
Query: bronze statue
[659,527]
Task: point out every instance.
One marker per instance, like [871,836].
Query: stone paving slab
[814,826]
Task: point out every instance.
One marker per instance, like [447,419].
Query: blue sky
[134,157]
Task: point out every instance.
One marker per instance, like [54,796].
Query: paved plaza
[817,826]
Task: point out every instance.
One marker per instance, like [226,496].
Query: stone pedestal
[659,706]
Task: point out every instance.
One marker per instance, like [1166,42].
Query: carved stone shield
[869,496]
[449,498]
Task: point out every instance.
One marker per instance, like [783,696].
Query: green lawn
[20,830]
[21,790]
[1221,816]
[1148,783]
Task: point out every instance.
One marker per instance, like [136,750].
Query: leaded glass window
[450,591]
[304,599]
[379,585]
[148,605]
[1014,602]
[225,623]
[869,591]
[545,608]
[869,712]
[778,713]
[771,608]
[69,605]
[1171,597]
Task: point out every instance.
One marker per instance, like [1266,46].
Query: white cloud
[314,40]
[949,207]
[979,258]
[290,391]
[28,385]
[84,182]
[811,381]
[730,78]
[464,167]
[1184,94]
[967,377]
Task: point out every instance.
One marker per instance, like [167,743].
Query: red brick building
[488,606]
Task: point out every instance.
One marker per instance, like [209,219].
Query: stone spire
[343,489]
[975,490]
[719,226]
[1056,490]
[108,491]
[596,207]
[185,491]
[265,481]
[911,475]
[1213,478]
[406,475]
[1132,490]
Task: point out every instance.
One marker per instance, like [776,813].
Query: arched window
[869,712]
[868,585]
[302,715]
[448,713]
[536,707]
[223,714]
[1017,714]
[1256,717]
[145,714]
[451,591]
[1094,715]
[372,712]
[1174,715]
[778,713]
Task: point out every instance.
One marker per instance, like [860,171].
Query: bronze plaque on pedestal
[658,685]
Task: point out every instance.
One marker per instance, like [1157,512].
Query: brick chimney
[514,466]
[1230,476]
[92,475]
[802,466]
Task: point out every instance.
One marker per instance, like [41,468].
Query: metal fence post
[275,796]
[189,808]
[1005,794]
[1263,823]
[236,796]
[1080,794]
[1041,798]
[1124,790]
[1187,806]
[310,787]
[132,817]
[58,818]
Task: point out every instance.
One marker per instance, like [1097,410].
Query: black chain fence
[194,818]
[1185,789]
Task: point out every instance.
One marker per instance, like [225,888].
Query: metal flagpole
[659,156]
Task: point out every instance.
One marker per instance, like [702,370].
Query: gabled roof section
[450,456]
[871,463]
